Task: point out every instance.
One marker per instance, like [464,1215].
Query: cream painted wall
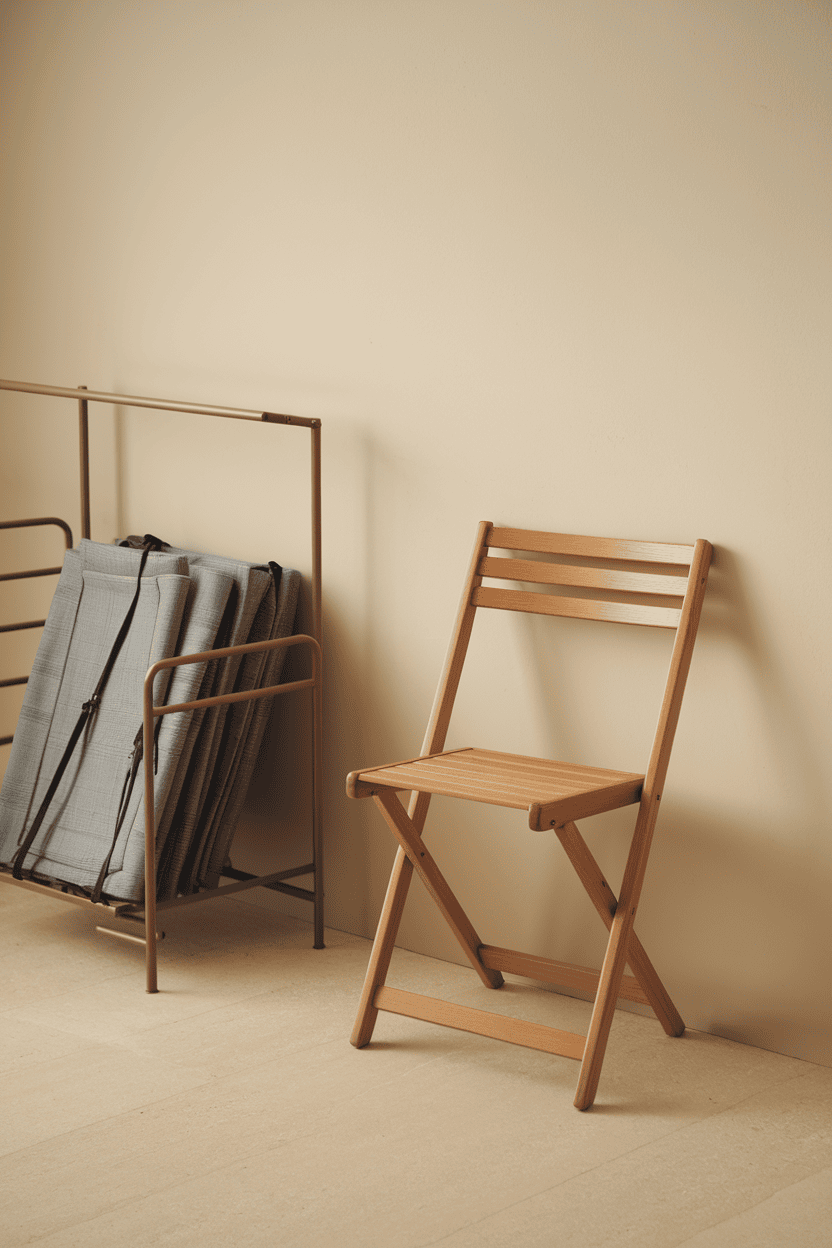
[559,265]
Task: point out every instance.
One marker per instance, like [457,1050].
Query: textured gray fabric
[207,599]
[251,592]
[83,621]
[188,603]
[37,713]
[235,726]
[229,813]
[43,698]
[203,612]
[125,561]
[213,785]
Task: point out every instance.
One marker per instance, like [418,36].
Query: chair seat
[554,793]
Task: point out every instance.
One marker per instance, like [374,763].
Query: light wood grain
[576,608]
[623,549]
[663,585]
[555,794]
[481,1022]
[552,792]
[634,872]
[436,884]
[606,903]
[561,974]
[382,951]
[417,810]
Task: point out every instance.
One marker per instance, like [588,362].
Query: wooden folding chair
[604,579]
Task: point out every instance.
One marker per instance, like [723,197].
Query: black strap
[88,709]
[124,802]
[138,753]
[277,573]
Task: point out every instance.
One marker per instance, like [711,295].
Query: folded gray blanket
[186,603]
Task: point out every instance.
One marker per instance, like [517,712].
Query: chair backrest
[609,579]
[618,575]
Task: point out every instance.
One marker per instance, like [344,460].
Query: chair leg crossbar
[554,794]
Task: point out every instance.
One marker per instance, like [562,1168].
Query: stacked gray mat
[187,603]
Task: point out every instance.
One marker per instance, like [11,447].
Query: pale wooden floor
[230,1109]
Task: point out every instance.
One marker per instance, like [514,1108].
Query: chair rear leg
[603,898]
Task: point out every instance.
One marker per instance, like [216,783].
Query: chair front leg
[388,927]
[418,854]
[602,1015]
[618,950]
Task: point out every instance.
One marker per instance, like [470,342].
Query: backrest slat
[589,547]
[537,572]
[580,608]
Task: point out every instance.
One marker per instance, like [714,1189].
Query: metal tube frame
[243,880]
[9,681]
[151,713]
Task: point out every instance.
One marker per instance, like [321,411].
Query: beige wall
[558,265]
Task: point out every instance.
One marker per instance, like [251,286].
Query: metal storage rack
[147,912]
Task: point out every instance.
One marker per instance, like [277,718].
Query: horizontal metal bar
[19,576]
[40,520]
[305,894]
[6,740]
[22,576]
[279,418]
[231,873]
[245,695]
[134,940]
[226,652]
[62,892]
[14,628]
[163,405]
[133,910]
[255,881]
[277,883]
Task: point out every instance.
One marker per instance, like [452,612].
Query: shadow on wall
[745,908]
[760,880]
[729,612]
[736,892]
